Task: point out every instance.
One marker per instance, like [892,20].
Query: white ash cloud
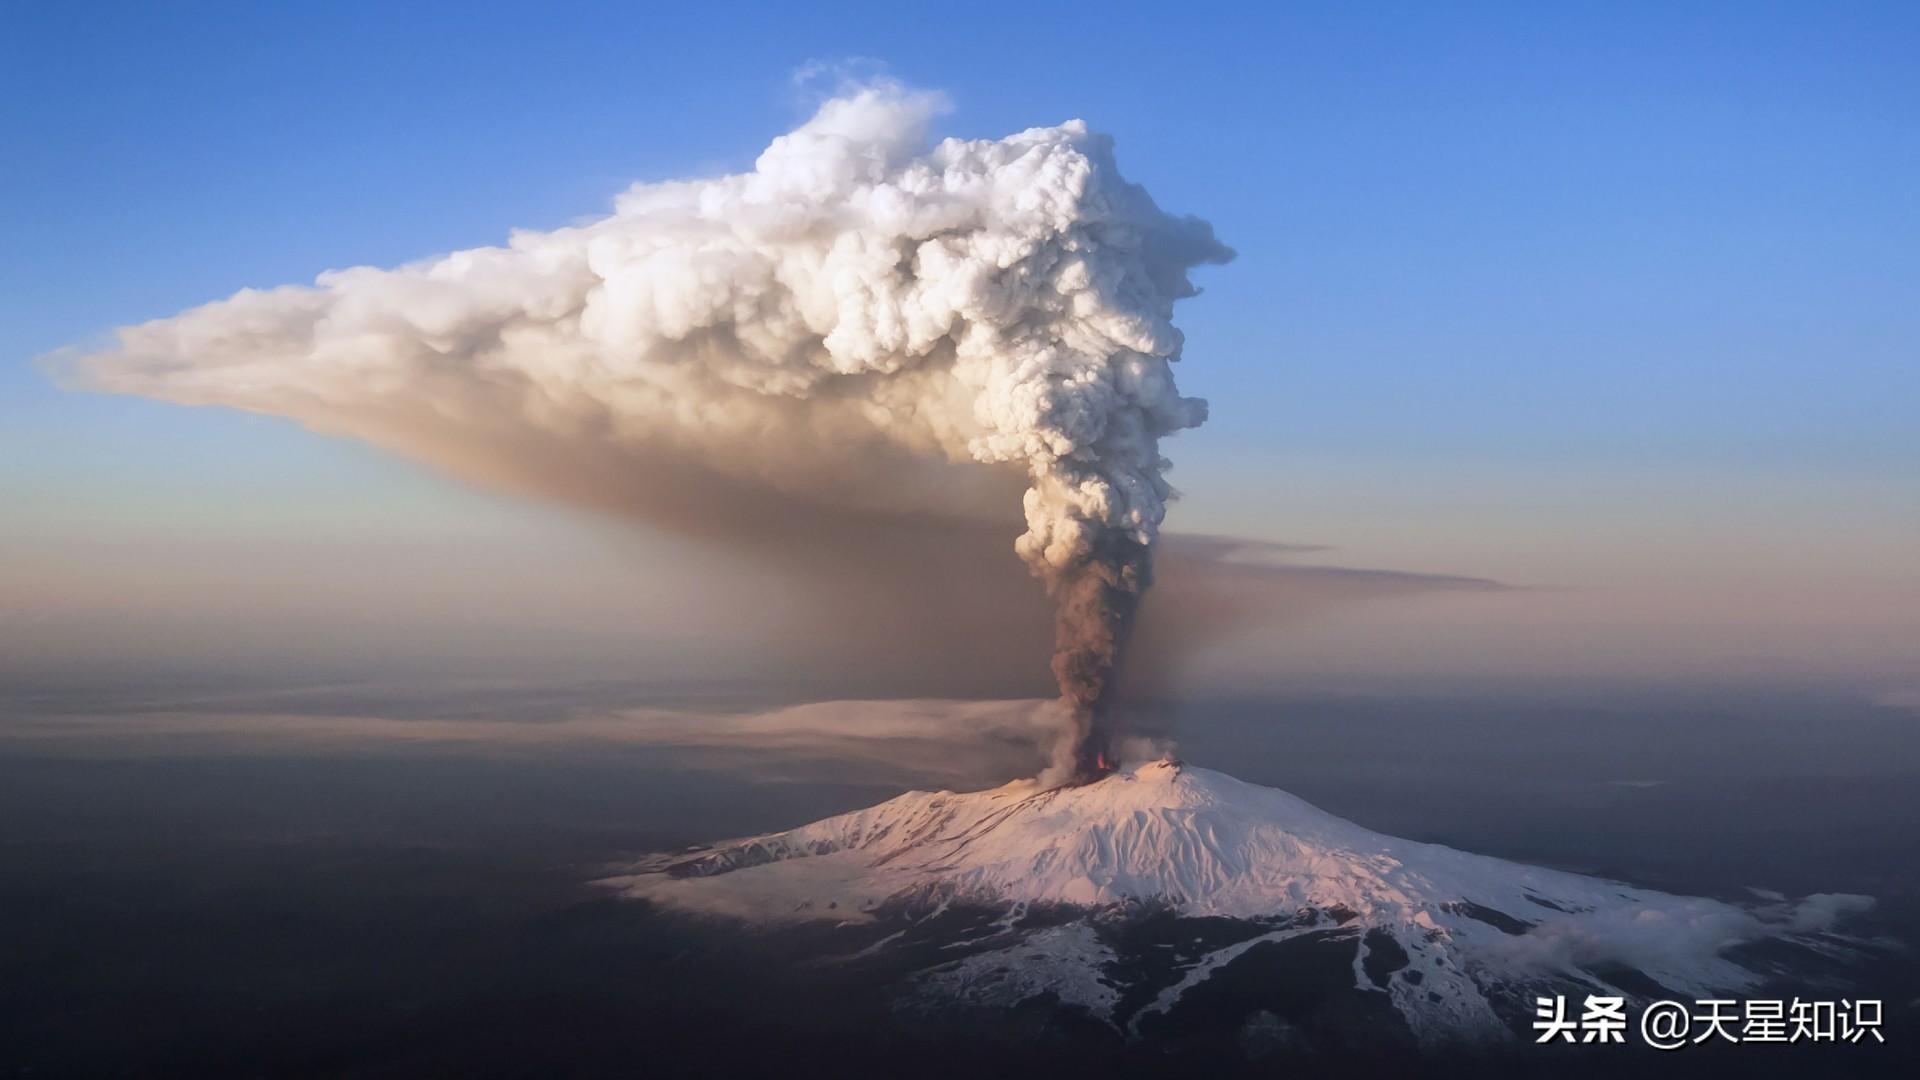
[862,324]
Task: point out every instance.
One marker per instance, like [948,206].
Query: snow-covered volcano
[1060,881]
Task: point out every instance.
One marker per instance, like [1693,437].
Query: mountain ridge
[1449,936]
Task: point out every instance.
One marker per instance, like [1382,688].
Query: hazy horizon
[1473,331]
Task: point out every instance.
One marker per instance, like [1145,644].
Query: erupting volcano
[1121,896]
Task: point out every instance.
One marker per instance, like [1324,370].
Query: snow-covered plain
[1454,930]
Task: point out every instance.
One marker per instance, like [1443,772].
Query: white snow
[1062,960]
[1208,844]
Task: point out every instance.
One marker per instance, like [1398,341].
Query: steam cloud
[839,329]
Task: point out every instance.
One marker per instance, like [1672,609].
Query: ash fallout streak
[862,324]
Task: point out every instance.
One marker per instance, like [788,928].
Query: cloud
[866,326]
[1899,699]
[1679,941]
[964,743]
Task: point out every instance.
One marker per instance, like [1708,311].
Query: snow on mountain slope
[1452,926]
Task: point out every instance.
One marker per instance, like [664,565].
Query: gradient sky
[1619,301]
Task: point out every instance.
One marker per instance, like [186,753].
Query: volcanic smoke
[817,331]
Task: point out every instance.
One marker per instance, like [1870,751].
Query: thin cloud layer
[962,743]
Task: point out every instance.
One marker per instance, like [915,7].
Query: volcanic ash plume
[839,329]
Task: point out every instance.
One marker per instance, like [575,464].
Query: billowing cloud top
[824,329]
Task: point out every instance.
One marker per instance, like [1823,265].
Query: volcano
[1160,887]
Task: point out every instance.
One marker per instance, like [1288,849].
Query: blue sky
[1513,279]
